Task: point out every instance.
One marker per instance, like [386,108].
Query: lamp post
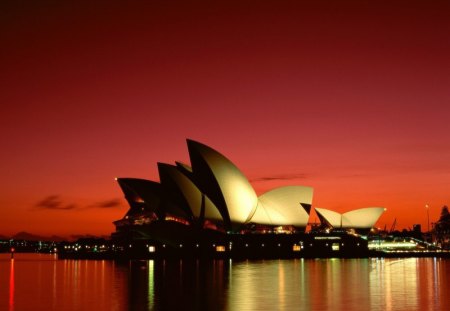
[428,217]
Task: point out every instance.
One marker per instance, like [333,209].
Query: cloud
[281,177]
[106,204]
[54,202]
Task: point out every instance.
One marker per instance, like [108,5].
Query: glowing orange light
[11,286]
[220,248]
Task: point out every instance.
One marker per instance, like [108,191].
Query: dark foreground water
[41,282]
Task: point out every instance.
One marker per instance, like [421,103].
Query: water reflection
[175,284]
[11,286]
[32,282]
[408,284]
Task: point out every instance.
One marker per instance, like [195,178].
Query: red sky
[351,98]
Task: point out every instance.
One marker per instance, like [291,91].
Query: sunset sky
[349,97]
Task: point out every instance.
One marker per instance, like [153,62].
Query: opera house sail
[210,200]
[362,219]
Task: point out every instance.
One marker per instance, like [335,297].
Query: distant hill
[33,237]
[23,235]
[56,238]
[27,236]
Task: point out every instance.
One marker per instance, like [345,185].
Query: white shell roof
[238,193]
[362,218]
[333,218]
[281,206]
[192,194]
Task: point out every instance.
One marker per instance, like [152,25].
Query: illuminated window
[220,248]
[335,246]
[296,248]
[151,249]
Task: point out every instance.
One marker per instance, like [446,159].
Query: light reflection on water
[41,282]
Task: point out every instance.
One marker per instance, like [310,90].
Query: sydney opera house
[210,206]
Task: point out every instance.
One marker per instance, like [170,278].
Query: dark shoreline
[212,245]
[370,254]
[187,256]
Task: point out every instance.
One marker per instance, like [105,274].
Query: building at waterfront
[211,194]
[211,199]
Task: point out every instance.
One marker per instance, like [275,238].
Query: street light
[428,217]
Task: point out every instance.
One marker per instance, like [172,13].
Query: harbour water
[42,282]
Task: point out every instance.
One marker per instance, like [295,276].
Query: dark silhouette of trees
[442,228]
